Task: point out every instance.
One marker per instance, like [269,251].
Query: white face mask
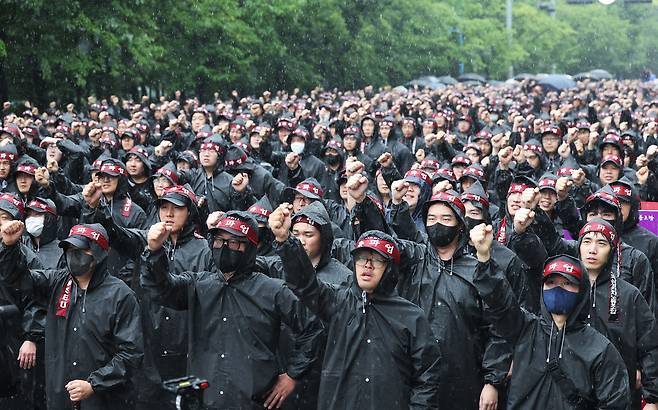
[34,225]
[297,147]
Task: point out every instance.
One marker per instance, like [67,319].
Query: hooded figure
[166,335]
[333,155]
[211,180]
[234,317]
[634,266]
[631,233]
[93,330]
[309,165]
[619,311]
[443,288]
[309,191]
[261,181]
[141,187]
[41,226]
[563,366]
[380,351]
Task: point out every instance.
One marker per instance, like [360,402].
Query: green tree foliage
[73,48]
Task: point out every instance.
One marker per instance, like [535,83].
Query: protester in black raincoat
[560,362]
[41,227]
[436,275]
[380,350]
[165,329]
[235,317]
[93,330]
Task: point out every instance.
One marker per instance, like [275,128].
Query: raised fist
[157,235]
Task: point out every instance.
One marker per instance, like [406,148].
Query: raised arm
[168,289]
[299,272]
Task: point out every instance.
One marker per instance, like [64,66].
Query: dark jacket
[633,332]
[586,357]
[380,350]
[217,189]
[234,329]
[99,339]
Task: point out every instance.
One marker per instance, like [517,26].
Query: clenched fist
[385,160]
[279,222]
[357,186]
[12,232]
[482,238]
[91,193]
[157,236]
[522,220]
[398,190]
[562,187]
[240,182]
[530,198]
[42,177]
[292,161]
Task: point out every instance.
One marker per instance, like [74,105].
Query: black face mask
[472,223]
[78,262]
[441,235]
[332,160]
[227,260]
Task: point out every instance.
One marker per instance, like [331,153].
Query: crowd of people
[470,247]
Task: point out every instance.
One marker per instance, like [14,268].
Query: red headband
[467,196]
[168,173]
[43,206]
[381,245]
[259,211]
[233,224]
[234,162]
[565,172]
[181,190]
[532,147]
[28,169]
[305,220]
[211,146]
[473,171]
[306,187]
[547,183]
[606,230]
[8,155]
[430,163]
[604,196]
[422,175]
[565,267]
[89,233]
[516,187]
[446,197]
[14,201]
[460,159]
[622,190]
[139,150]
[111,168]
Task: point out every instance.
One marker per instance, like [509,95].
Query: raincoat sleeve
[643,278]
[127,343]
[367,217]
[307,329]
[167,288]
[341,250]
[403,224]
[647,346]
[425,359]
[126,241]
[300,276]
[390,174]
[68,205]
[568,213]
[611,380]
[553,242]
[15,272]
[502,307]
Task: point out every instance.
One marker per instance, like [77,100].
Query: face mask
[441,235]
[472,223]
[494,117]
[227,260]
[34,225]
[78,262]
[332,160]
[297,147]
[560,301]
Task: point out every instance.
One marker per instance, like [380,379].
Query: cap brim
[231,231]
[173,199]
[385,255]
[77,241]
[289,194]
[112,174]
[571,279]
[552,188]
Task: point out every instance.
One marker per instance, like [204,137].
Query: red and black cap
[450,198]
[13,205]
[566,266]
[179,195]
[238,223]
[88,236]
[42,205]
[374,240]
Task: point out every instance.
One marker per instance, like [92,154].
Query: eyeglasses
[233,244]
[377,262]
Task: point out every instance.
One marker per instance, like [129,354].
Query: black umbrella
[524,76]
[471,77]
[557,82]
[600,75]
[446,79]
[582,76]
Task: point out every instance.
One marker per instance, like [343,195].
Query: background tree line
[70,49]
